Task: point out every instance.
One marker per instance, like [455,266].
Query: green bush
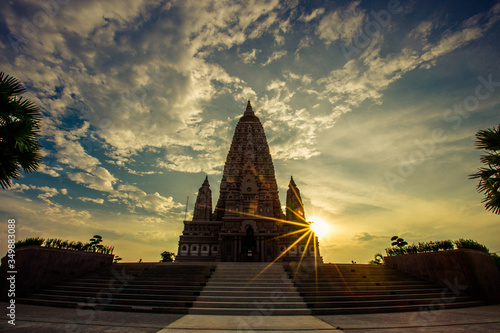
[470,244]
[420,247]
[30,241]
[64,244]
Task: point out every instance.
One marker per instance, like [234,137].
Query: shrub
[470,244]
[421,247]
[60,244]
[30,241]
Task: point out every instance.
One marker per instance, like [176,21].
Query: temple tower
[248,223]
[294,207]
[248,184]
[203,205]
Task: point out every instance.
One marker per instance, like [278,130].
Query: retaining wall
[460,270]
[40,267]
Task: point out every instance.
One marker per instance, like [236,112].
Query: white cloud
[137,198]
[98,179]
[314,14]
[249,57]
[341,24]
[48,170]
[97,201]
[275,56]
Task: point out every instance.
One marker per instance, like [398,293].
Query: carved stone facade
[248,223]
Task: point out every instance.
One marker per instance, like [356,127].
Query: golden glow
[319,227]
[311,230]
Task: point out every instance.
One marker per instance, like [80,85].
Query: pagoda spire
[249,110]
[248,183]
[203,205]
[294,205]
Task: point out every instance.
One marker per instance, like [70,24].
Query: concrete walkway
[30,318]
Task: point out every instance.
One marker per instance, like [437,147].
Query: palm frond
[488,139]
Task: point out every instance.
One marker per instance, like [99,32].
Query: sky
[372,107]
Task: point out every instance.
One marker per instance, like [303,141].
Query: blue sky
[372,106]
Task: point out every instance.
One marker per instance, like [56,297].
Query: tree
[378,260]
[167,256]
[19,127]
[398,241]
[489,176]
[95,243]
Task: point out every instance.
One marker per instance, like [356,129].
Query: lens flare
[319,227]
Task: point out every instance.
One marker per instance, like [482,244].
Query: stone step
[108,307]
[384,309]
[137,281]
[138,286]
[251,293]
[378,302]
[363,283]
[244,284]
[357,298]
[145,290]
[251,311]
[360,287]
[170,296]
[251,276]
[249,288]
[248,298]
[333,293]
[266,304]
[115,301]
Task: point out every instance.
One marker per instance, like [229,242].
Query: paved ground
[30,318]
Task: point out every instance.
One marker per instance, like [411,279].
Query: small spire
[205,183]
[249,111]
[292,183]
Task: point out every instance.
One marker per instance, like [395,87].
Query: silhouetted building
[248,223]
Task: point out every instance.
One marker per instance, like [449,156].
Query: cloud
[137,198]
[48,170]
[97,201]
[249,57]
[313,15]
[366,77]
[98,179]
[275,56]
[366,237]
[341,24]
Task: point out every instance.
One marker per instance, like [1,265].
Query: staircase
[249,289]
[166,288]
[347,288]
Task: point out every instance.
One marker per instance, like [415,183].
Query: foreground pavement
[30,318]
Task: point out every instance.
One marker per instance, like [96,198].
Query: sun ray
[296,195]
[311,234]
[306,224]
[315,265]
[282,254]
[291,233]
[295,213]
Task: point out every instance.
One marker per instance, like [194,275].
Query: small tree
[378,260]
[167,256]
[116,259]
[398,241]
[95,242]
